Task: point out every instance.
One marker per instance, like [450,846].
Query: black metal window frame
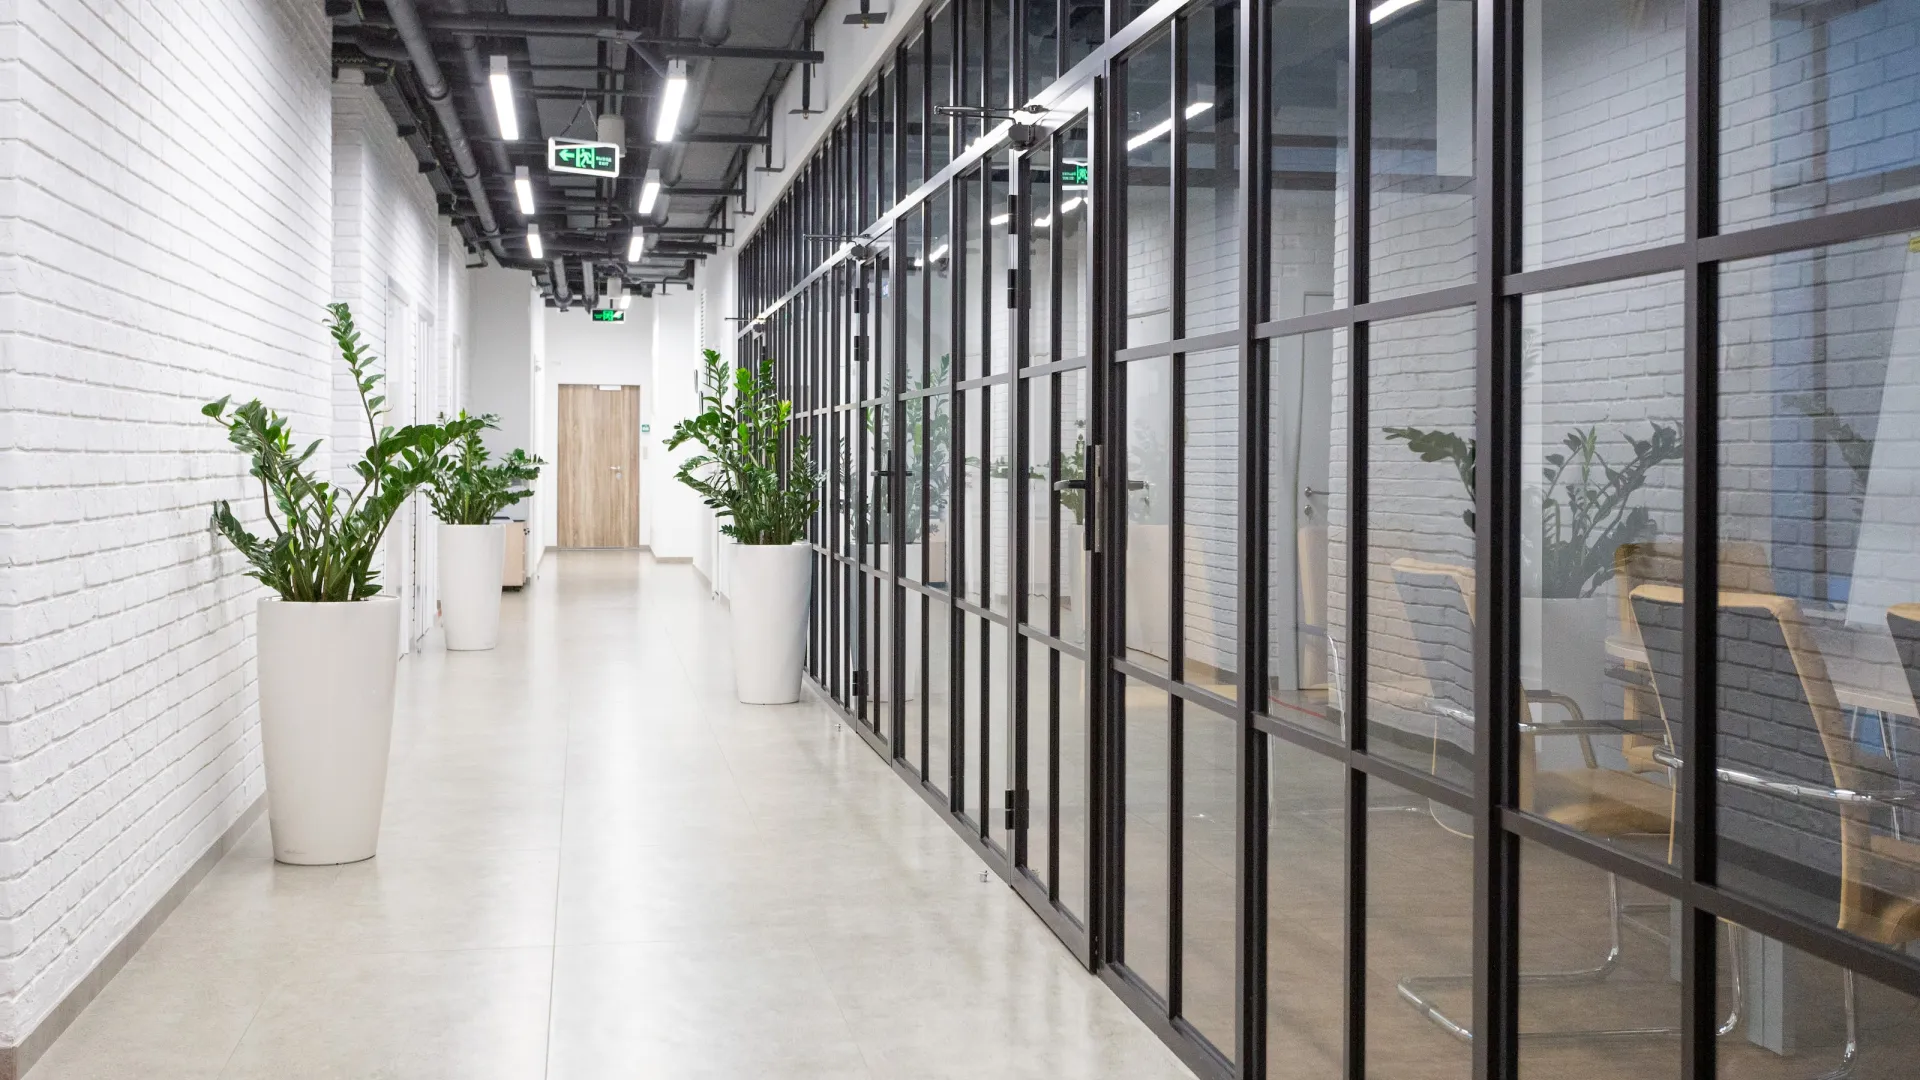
[796,304]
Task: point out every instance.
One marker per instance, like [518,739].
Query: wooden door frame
[562,531]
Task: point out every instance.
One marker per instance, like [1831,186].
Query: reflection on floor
[595,864]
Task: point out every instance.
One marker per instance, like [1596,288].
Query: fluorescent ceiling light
[1000,219]
[937,254]
[503,111]
[649,191]
[1161,129]
[1389,8]
[671,101]
[1071,205]
[534,247]
[523,189]
[637,245]
[1041,223]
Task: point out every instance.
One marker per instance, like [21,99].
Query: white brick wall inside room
[404,271]
[184,255]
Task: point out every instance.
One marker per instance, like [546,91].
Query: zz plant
[765,496]
[323,537]
[466,489]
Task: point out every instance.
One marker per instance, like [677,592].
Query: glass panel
[939,292]
[999,733]
[1039,763]
[1149,212]
[939,695]
[1819,657]
[936,486]
[1076,269]
[973,709]
[1601,515]
[1000,506]
[871,189]
[940,83]
[1311,170]
[1075,599]
[1211,235]
[1573,992]
[1086,29]
[1148,855]
[1000,239]
[913,69]
[1306,913]
[1420,562]
[975,294]
[1421,188]
[1822,108]
[999,53]
[1071,881]
[1208,842]
[1603,128]
[1039,256]
[1808,1017]
[913,249]
[1043,46]
[1039,496]
[1210,521]
[913,609]
[973,66]
[1419,934]
[1307,529]
[1149,535]
[974,498]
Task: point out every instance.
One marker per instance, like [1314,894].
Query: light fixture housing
[534,247]
[649,191]
[523,189]
[637,245]
[672,99]
[500,80]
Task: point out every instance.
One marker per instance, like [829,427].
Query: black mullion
[1496,852]
[1696,802]
[1053,575]
[1101,808]
[896,323]
[1019,513]
[1360,157]
[1250,853]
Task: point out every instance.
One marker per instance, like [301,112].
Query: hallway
[595,864]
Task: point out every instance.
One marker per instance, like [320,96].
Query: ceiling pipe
[413,34]
[715,21]
[561,290]
[477,78]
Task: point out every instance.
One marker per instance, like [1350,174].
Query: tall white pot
[471,561]
[326,721]
[767,591]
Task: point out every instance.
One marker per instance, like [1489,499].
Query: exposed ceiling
[572,62]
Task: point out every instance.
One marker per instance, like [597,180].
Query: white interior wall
[575,349]
[157,271]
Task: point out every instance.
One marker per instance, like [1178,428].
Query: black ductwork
[426,67]
[477,77]
[562,292]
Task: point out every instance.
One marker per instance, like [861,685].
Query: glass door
[874,496]
[1054,441]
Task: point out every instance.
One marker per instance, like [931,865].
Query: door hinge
[859,301]
[859,350]
[1016,809]
[859,684]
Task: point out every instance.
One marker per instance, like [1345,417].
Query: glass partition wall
[1392,524]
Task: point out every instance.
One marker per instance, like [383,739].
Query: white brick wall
[163,241]
[403,270]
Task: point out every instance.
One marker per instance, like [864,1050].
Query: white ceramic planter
[768,587]
[471,557]
[326,721]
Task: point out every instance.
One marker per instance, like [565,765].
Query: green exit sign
[1074,175]
[589,158]
[609,315]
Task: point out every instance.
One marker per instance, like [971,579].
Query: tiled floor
[595,864]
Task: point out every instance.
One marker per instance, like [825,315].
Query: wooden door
[599,466]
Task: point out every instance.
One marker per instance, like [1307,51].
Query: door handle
[1069,485]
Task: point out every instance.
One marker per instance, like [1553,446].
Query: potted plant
[328,640]
[764,494]
[467,492]
[1584,508]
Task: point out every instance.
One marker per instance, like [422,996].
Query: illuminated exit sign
[1074,175]
[589,158]
[609,315]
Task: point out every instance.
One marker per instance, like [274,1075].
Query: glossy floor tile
[595,863]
